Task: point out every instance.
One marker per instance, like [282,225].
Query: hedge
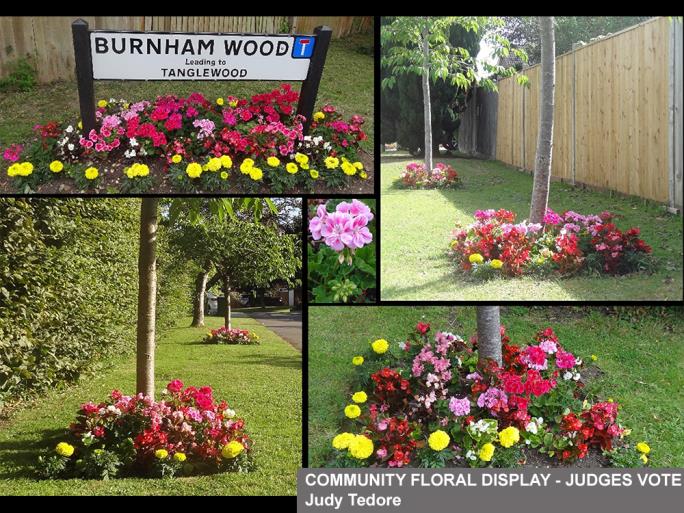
[68,289]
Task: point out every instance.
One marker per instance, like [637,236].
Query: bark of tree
[227,313]
[198,300]
[147,297]
[542,164]
[427,109]
[489,334]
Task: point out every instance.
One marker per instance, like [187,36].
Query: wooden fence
[47,39]
[617,118]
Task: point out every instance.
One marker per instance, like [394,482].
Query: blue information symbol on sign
[303,47]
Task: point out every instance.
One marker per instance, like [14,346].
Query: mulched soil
[110,182]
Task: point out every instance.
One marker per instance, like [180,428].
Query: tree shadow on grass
[287,362]
[19,455]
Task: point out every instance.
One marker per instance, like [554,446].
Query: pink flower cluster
[347,227]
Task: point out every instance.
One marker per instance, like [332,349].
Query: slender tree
[147,267]
[542,164]
[147,296]
[489,334]
[420,45]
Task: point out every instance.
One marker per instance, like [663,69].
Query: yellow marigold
[438,440]
[193,170]
[102,104]
[233,103]
[358,165]
[342,441]
[348,168]
[318,116]
[363,175]
[56,166]
[644,458]
[496,263]
[64,449]
[361,447]
[219,101]
[232,449]
[304,166]
[226,161]
[352,411]
[214,164]
[360,397]
[256,173]
[313,174]
[91,173]
[273,161]
[13,170]
[224,175]
[357,360]
[291,168]
[176,159]
[300,158]
[179,456]
[475,258]
[80,124]
[643,448]
[161,454]
[25,169]
[246,166]
[380,346]
[332,162]
[487,452]
[509,437]
[594,357]
[143,169]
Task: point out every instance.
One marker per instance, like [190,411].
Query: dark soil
[112,176]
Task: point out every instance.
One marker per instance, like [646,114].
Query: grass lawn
[417,224]
[262,383]
[640,353]
[347,83]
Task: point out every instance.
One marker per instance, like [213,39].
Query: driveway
[287,325]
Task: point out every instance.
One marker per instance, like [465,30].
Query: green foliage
[333,282]
[22,77]
[67,288]
[625,456]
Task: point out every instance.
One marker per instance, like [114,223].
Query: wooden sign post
[126,55]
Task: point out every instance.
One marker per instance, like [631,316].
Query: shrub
[185,433]
[232,336]
[564,244]
[22,77]
[428,401]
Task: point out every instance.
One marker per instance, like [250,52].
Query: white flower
[567,375]
[71,147]
[229,413]
[143,151]
[576,376]
[402,346]
[133,142]
[69,129]
[113,409]
[527,442]
[578,362]
[471,455]
[531,427]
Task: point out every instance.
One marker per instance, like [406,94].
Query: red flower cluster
[390,388]
[392,439]
[596,426]
[614,246]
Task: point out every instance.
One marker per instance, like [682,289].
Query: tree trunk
[427,109]
[488,334]
[147,297]
[198,300]
[542,164]
[227,312]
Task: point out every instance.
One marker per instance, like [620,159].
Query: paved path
[287,325]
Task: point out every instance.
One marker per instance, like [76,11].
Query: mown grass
[262,383]
[347,83]
[417,224]
[640,353]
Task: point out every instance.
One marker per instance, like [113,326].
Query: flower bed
[186,433]
[565,244]
[427,402]
[232,336]
[442,176]
[191,144]
[341,251]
